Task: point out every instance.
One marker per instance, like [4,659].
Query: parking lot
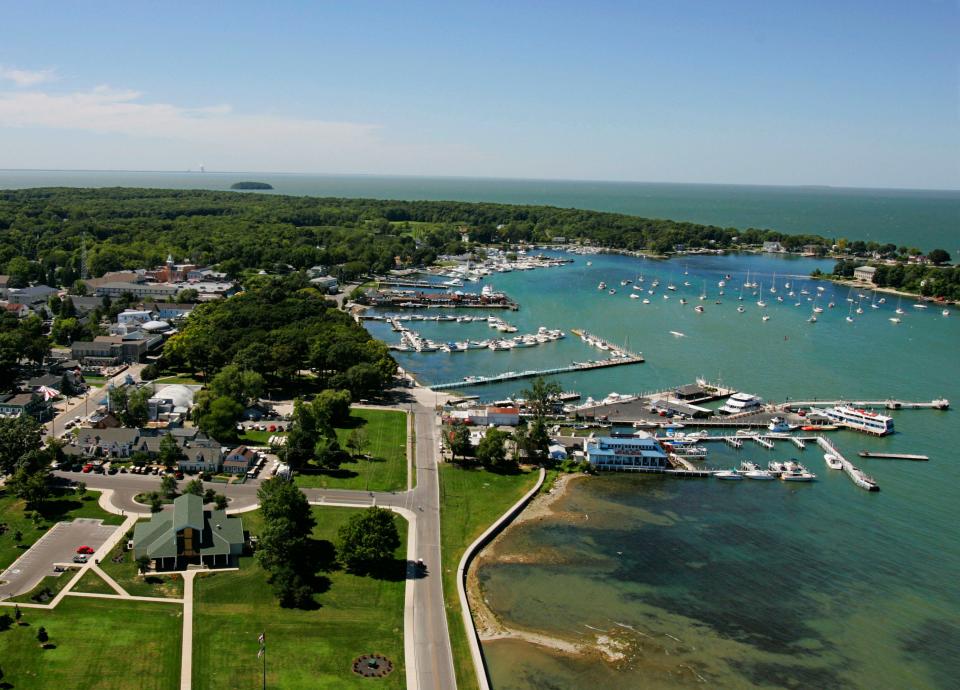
[58,545]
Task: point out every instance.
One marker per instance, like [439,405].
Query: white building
[134,317]
[638,453]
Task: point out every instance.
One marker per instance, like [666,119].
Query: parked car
[80,558]
[85,549]
[272,428]
[87,468]
[178,475]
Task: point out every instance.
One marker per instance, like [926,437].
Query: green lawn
[470,501]
[179,378]
[127,576]
[306,649]
[258,438]
[107,644]
[386,468]
[93,583]
[64,505]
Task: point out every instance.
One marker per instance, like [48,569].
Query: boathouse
[637,453]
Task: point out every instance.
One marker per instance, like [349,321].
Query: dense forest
[41,231]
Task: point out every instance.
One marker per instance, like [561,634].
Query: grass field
[102,644]
[126,575]
[62,506]
[470,501]
[306,649]
[93,583]
[386,468]
[179,378]
[258,438]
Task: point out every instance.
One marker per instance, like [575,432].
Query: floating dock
[858,476]
[893,456]
[532,373]
[890,404]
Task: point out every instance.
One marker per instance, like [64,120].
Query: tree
[17,537]
[42,635]
[220,502]
[169,453]
[939,256]
[358,441]
[220,422]
[538,442]
[194,487]
[143,564]
[156,502]
[541,397]
[243,386]
[283,549]
[168,485]
[491,451]
[17,613]
[18,438]
[327,453]
[33,486]
[302,436]
[81,489]
[368,540]
[130,406]
[332,406]
[460,442]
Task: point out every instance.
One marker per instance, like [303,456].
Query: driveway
[58,545]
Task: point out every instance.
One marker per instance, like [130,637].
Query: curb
[473,639]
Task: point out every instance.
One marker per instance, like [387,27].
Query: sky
[822,92]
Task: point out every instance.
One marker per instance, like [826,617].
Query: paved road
[58,545]
[434,658]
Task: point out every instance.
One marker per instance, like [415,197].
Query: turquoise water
[761,584]
[926,219]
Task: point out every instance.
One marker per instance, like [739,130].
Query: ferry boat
[860,420]
[741,402]
[729,475]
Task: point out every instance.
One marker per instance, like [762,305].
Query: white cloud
[121,126]
[26,77]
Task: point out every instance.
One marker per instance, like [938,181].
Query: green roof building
[188,534]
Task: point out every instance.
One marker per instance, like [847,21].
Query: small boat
[799,474]
[683,301]
[589,263]
[894,319]
[646,301]
[602,286]
[779,425]
[698,309]
[833,462]
[766,317]
[812,319]
[678,334]
[634,296]
[612,291]
[752,471]
[946,312]
[919,306]
[729,475]
[741,309]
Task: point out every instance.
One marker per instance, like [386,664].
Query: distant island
[251,185]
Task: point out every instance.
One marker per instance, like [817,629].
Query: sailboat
[760,302]
[773,288]
[899,305]
[703,295]
[859,309]
[740,298]
[873,301]
[850,314]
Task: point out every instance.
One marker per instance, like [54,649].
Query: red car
[272,427]
[87,468]
[85,549]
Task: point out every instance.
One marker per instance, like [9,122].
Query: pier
[532,373]
[602,344]
[858,476]
[890,404]
[893,456]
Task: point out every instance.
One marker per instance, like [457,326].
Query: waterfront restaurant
[640,452]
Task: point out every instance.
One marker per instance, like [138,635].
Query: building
[864,273]
[325,283]
[134,317]
[503,416]
[107,350]
[640,452]
[188,534]
[150,290]
[114,443]
[557,452]
[4,285]
[773,247]
[21,311]
[31,295]
[16,404]
[239,460]
[170,403]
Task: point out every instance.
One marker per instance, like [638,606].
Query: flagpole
[263,654]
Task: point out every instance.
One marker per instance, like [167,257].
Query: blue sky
[838,93]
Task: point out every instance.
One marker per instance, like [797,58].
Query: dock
[601,343]
[858,476]
[532,373]
[889,404]
[893,456]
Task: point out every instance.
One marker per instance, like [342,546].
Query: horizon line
[481,177]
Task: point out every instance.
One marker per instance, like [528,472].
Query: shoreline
[490,627]
[884,289]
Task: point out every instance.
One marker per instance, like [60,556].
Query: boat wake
[678,334]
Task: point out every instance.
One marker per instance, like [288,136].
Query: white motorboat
[779,425]
[741,309]
[894,319]
[634,296]
[698,309]
[602,286]
[729,475]
[752,471]
[646,301]
[833,462]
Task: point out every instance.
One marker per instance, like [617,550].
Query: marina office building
[639,452]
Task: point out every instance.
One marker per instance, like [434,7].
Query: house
[325,283]
[19,310]
[640,452]
[169,310]
[36,294]
[114,443]
[690,391]
[106,420]
[239,460]
[16,404]
[134,317]
[773,247]
[201,458]
[864,273]
[557,452]
[188,534]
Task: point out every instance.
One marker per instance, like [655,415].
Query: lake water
[926,219]
[746,584]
